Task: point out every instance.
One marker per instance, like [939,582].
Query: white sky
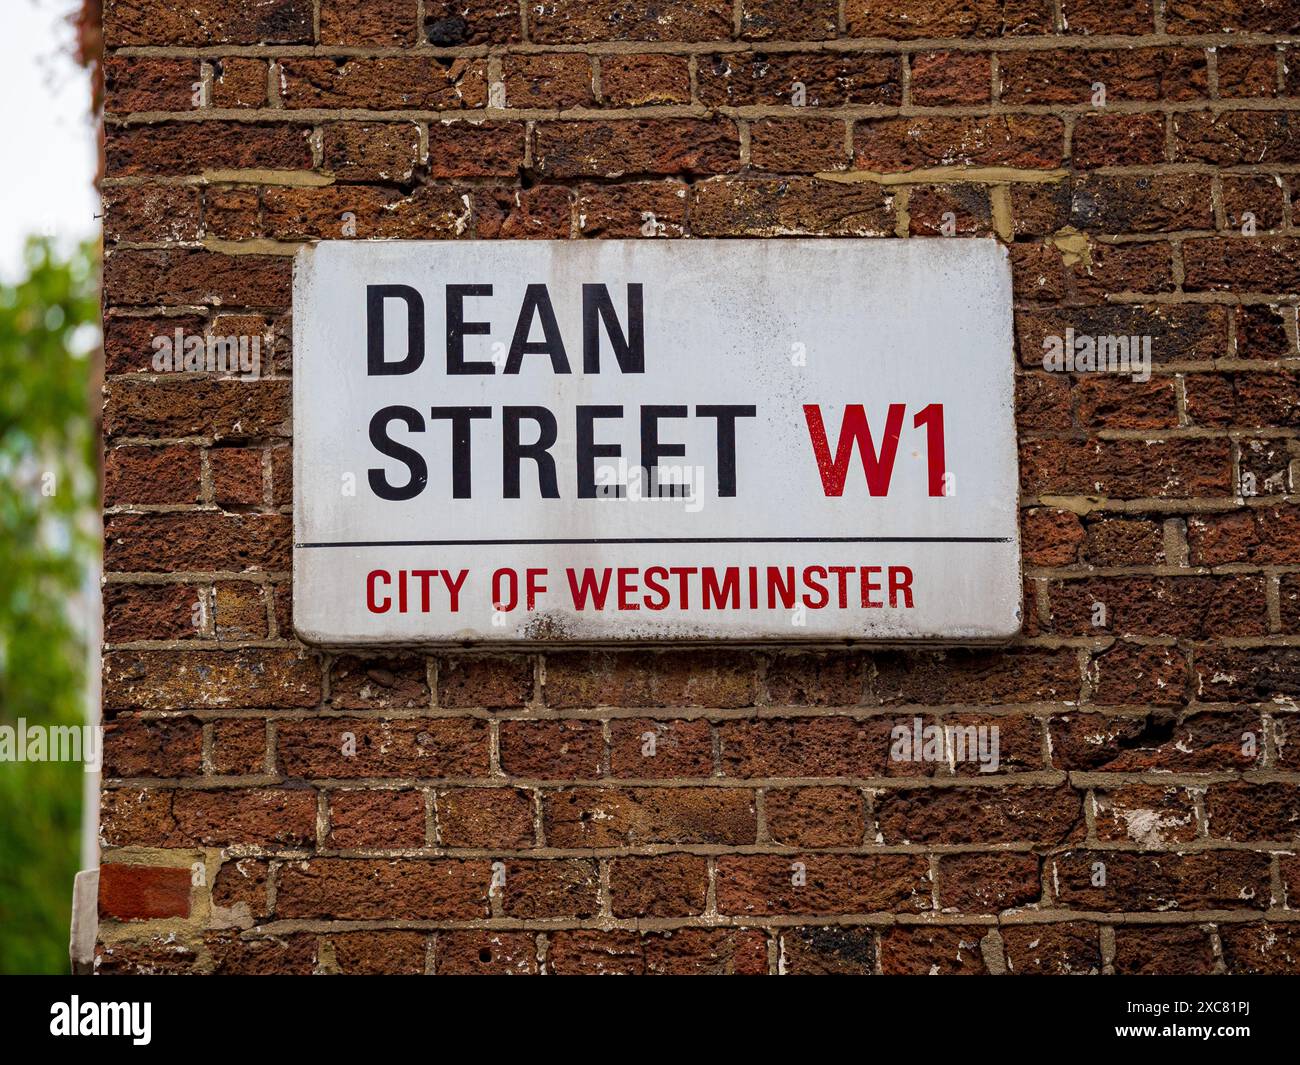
[47,168]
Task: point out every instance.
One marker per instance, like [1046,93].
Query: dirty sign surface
[529,441]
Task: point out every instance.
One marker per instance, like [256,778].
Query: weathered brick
[247,677]
[640,80]
[383,84]
[1143,950]
[440,747]
[646,749]
[176,148]
[550,888]
[815,817]
[1159,740]
[1025,141]
[985,815]
[1065,949]
[378,683]
[206,22]
[611,817]
[549,81]
[580,21]
[485,817]
[764,884]
[201,540]
[473,952]
[947,18]
[832,951]
[369,151]
[666,885]
[636,146]
[159,747]
[379,953]
[1162,882]
[828,79]
[367,889]
[379,818]
[378,22]
[726,207]
[949,950]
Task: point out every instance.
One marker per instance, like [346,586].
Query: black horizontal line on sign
[673,540]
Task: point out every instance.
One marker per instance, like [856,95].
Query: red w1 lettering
[878,466]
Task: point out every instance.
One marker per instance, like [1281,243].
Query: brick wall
[1140,159]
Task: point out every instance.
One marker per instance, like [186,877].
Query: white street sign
[543,441]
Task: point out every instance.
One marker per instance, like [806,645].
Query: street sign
[552,441]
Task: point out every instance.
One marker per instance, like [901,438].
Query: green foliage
[47,501]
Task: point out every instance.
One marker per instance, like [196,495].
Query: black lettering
[726,414]
[513,453]
[385,445]
[629,349]
[460,444]
[537,302]
[589,450]
[375,296]
[458,329]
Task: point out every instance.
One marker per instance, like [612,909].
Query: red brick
[173,543]
[1162,882]
[1257,949]
[1228,16]
[378,683]
[792,206]
[485,817]
[639,80]
[239,82]
[380,953]
[1143,950]
[439,747]
[804,20]
[947,18]
[610,817]
[380,818]
[205,22]
[1160,740]
[190,818]
[814,817]
[378,22]
[985,815]
[248,677]
[176,148]
[467,149]
[637,146]
[582,21]
[474,952]
[367,889]
[666,885]
[383,84]
[143,892]
[159,747]
[1064,949]
[550,888]
[940,78]
[1025,141]
[1118,140]
[548,81]
[763,884]
[370,151]
[151,214]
